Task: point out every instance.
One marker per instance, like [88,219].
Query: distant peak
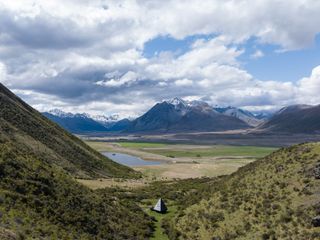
[177,101]
[98,118]
[104,118]
[56,111]
[294,108]
[59,113]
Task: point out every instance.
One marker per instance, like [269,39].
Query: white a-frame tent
[160,206]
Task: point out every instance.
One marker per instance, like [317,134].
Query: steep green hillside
[273,198]
[26,127]
[39,198]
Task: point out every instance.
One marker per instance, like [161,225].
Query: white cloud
[309,88]
[77,53]
[215,50]
[125,79]
[183,82]
[124,24]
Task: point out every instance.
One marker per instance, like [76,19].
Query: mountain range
[85,123]
[178,115]
[175,115]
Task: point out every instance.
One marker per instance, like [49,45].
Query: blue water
[129,160]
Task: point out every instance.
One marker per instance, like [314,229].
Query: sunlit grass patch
[159,232]
[215,151]
[142,144]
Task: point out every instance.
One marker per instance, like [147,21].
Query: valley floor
[236,138]
[181,161]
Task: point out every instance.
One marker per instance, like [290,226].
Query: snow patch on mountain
[98,118]
[177,102]
[60,113]
[104,118]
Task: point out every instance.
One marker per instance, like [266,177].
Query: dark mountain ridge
[77,123]
[82,123]
[177,116]
[158,118]
[295,119]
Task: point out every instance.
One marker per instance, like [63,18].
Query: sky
[123,56]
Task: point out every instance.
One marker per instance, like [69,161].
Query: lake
[129,160]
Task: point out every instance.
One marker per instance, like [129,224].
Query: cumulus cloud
[61,24]
[90,54]
[183,82]
[126,78]
[308,88]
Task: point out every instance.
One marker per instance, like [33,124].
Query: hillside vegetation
[25,126]
[39,198]
[273,198]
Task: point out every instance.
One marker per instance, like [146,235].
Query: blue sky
[276,64]
[167,43]
[123,56]
[281,65]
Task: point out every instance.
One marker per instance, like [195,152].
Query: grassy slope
[178,195]
[39,198]
[48,140]
[272,198]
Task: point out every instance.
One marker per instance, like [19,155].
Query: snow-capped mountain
[177,115]
[263,115]
[83,122]
[177,102]
[167,116]
[60,113]
[185,106]
[107,121]
[180,103]
[75,123]
[241,114]
[104,119]
[98,118]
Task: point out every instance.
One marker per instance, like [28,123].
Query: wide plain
[183,161]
